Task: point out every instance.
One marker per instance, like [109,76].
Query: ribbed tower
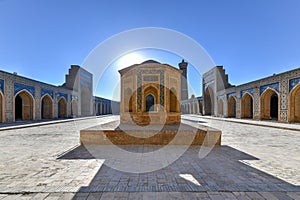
[184,86]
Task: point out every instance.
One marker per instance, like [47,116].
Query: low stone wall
[168,135]
[147,118]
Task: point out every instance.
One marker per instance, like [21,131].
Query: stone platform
[185,133]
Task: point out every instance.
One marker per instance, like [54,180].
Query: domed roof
[150,61]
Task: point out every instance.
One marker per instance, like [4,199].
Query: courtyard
[254,162]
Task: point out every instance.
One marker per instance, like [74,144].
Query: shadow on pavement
[220,170]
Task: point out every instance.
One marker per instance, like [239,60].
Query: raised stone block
[185,133]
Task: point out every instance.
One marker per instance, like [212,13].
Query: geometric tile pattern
[18,87]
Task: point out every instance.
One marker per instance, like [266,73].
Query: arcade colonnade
[104,106]
[273,98]
[192,106]
[24,99]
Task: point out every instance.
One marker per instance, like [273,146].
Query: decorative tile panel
[140,83]
[60,94]
[2,85]
[294,82]
[250,91]
[45,91]
[18,87]
[232,94]
[274,86]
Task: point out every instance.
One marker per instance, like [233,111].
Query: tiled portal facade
[150,92]
[22,98]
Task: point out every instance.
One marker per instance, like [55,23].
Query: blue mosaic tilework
[74,97]
[45,91]
[231,94]
[140,81]
[293,83]
[2,85]
[18,87]
[274,86]
[250,91]
[60,94]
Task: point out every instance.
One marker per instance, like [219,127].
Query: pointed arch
[269,104]
[62,108]
[150,90]
[23,106]
[150,103]
[128,100]
[294,104]
[46,107]
[231,105]
[247,106]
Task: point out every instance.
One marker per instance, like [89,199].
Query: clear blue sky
[251,39]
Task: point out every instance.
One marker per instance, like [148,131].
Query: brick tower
[184,86]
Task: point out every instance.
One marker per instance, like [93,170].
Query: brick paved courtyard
[253,162]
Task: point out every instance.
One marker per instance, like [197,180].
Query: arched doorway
[269,104]
[85,101]
[47,107]
[23,106]
[150,102]
[208,101]
[220,107]
[1,107]
[128,100]
[151,98]
[173,101]
[62,108]
[74,108]
[294,104]
[231,107]
[247,106]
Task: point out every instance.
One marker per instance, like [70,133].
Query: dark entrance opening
[18,108]
[149,103]
[274,106]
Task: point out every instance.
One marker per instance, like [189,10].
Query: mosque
[275,97]
[24,99]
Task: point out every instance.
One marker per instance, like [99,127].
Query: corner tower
[184,86]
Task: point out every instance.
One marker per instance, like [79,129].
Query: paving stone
[294,195]
[94,196]
[253,162]
[107,196]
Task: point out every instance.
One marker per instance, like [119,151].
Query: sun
[129,59]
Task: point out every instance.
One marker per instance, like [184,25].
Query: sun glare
[130,59]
